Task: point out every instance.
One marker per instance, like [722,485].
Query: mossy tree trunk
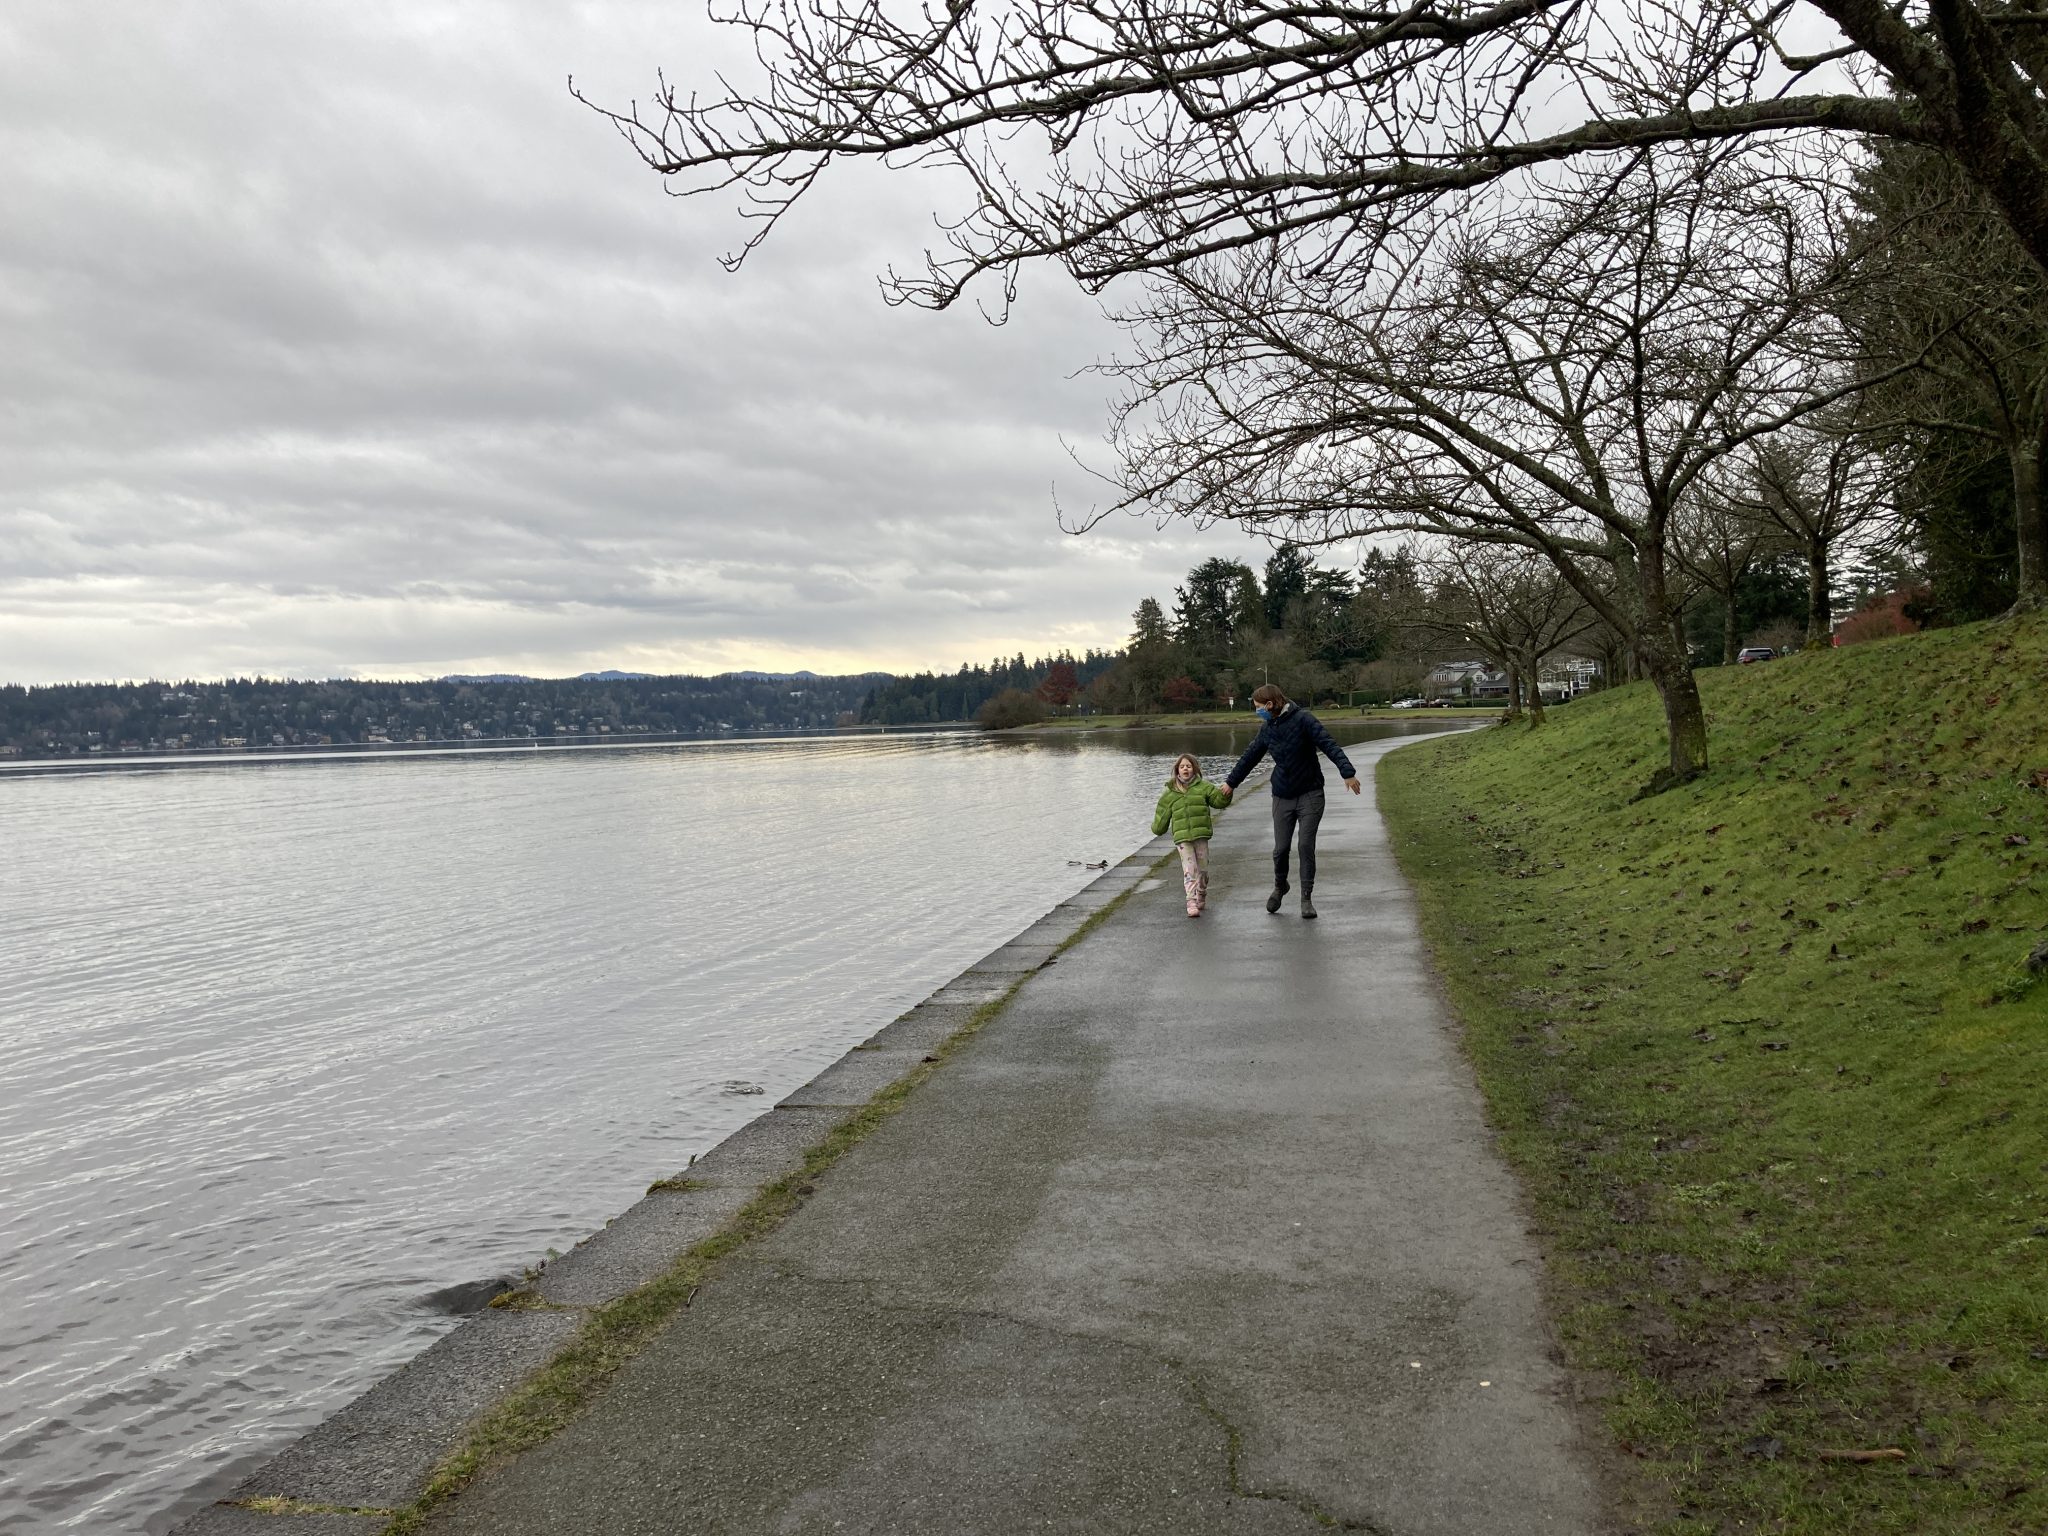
[1531,668]
[2030,521]
[1820,605]
[1685,717]
[1660,651]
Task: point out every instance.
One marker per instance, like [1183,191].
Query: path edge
[382,1461]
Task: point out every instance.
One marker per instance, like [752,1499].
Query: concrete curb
[377,1453]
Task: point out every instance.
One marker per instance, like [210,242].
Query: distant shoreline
[329,752]
[209,757]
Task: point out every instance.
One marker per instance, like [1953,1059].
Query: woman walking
[1294,737]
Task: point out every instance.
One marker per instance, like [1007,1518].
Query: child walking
[1184,808]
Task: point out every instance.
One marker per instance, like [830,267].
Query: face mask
[1265,714]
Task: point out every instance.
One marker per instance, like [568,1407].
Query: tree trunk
[1731,633]
[2031,523]
[1532,669]
[1615,654]
[1514,692]
[1820,607]
[1685,718]
[1660,649]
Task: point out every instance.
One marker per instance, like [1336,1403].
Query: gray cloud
[341,340]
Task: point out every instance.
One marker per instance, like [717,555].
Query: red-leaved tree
[1062,684]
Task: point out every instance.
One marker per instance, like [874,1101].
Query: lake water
[285,1047]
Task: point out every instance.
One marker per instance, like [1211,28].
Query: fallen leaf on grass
[1764,1448]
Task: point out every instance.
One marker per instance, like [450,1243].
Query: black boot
[1279,891]
[1308,907]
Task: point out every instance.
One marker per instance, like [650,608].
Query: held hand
[1227,791]
[1354,786]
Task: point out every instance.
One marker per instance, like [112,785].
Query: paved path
[1202,1234]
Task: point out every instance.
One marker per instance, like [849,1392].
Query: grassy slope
[1765,1052]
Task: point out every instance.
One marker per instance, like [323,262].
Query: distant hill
[612,675]
[82,719]
[239,713]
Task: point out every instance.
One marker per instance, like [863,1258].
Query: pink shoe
[1194,909]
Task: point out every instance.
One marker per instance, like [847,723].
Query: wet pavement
[1204,1232]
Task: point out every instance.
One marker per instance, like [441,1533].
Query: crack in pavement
[1190,1377]
[1234,1447]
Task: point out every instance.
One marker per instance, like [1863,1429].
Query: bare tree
[1951,284]
[1562,379]
[1513,607]
[1178,129]
[1818,487]
[1718,542]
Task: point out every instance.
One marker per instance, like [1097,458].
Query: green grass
[1767,1055]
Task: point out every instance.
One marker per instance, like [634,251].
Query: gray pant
[1305,812]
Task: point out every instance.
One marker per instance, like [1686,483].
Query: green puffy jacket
[1186,811]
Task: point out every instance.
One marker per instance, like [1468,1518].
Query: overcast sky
[339,341]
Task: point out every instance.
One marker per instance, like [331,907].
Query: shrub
[1013,706]
[1881,616]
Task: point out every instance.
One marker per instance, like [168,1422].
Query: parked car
[1407,704]
[1751,653]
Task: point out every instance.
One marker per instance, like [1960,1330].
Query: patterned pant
[1194,870]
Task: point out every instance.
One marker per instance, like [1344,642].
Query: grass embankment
[1766,1052]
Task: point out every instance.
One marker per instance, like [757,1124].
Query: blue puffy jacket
[1293,736]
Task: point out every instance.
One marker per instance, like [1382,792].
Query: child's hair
[1187,757]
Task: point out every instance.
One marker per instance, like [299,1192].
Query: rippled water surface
[284,1048]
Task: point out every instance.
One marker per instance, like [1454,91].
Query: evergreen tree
[1287,573]
[1148,625]
[1247,610]
[1204,610]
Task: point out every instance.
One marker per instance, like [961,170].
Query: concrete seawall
[375,1456]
